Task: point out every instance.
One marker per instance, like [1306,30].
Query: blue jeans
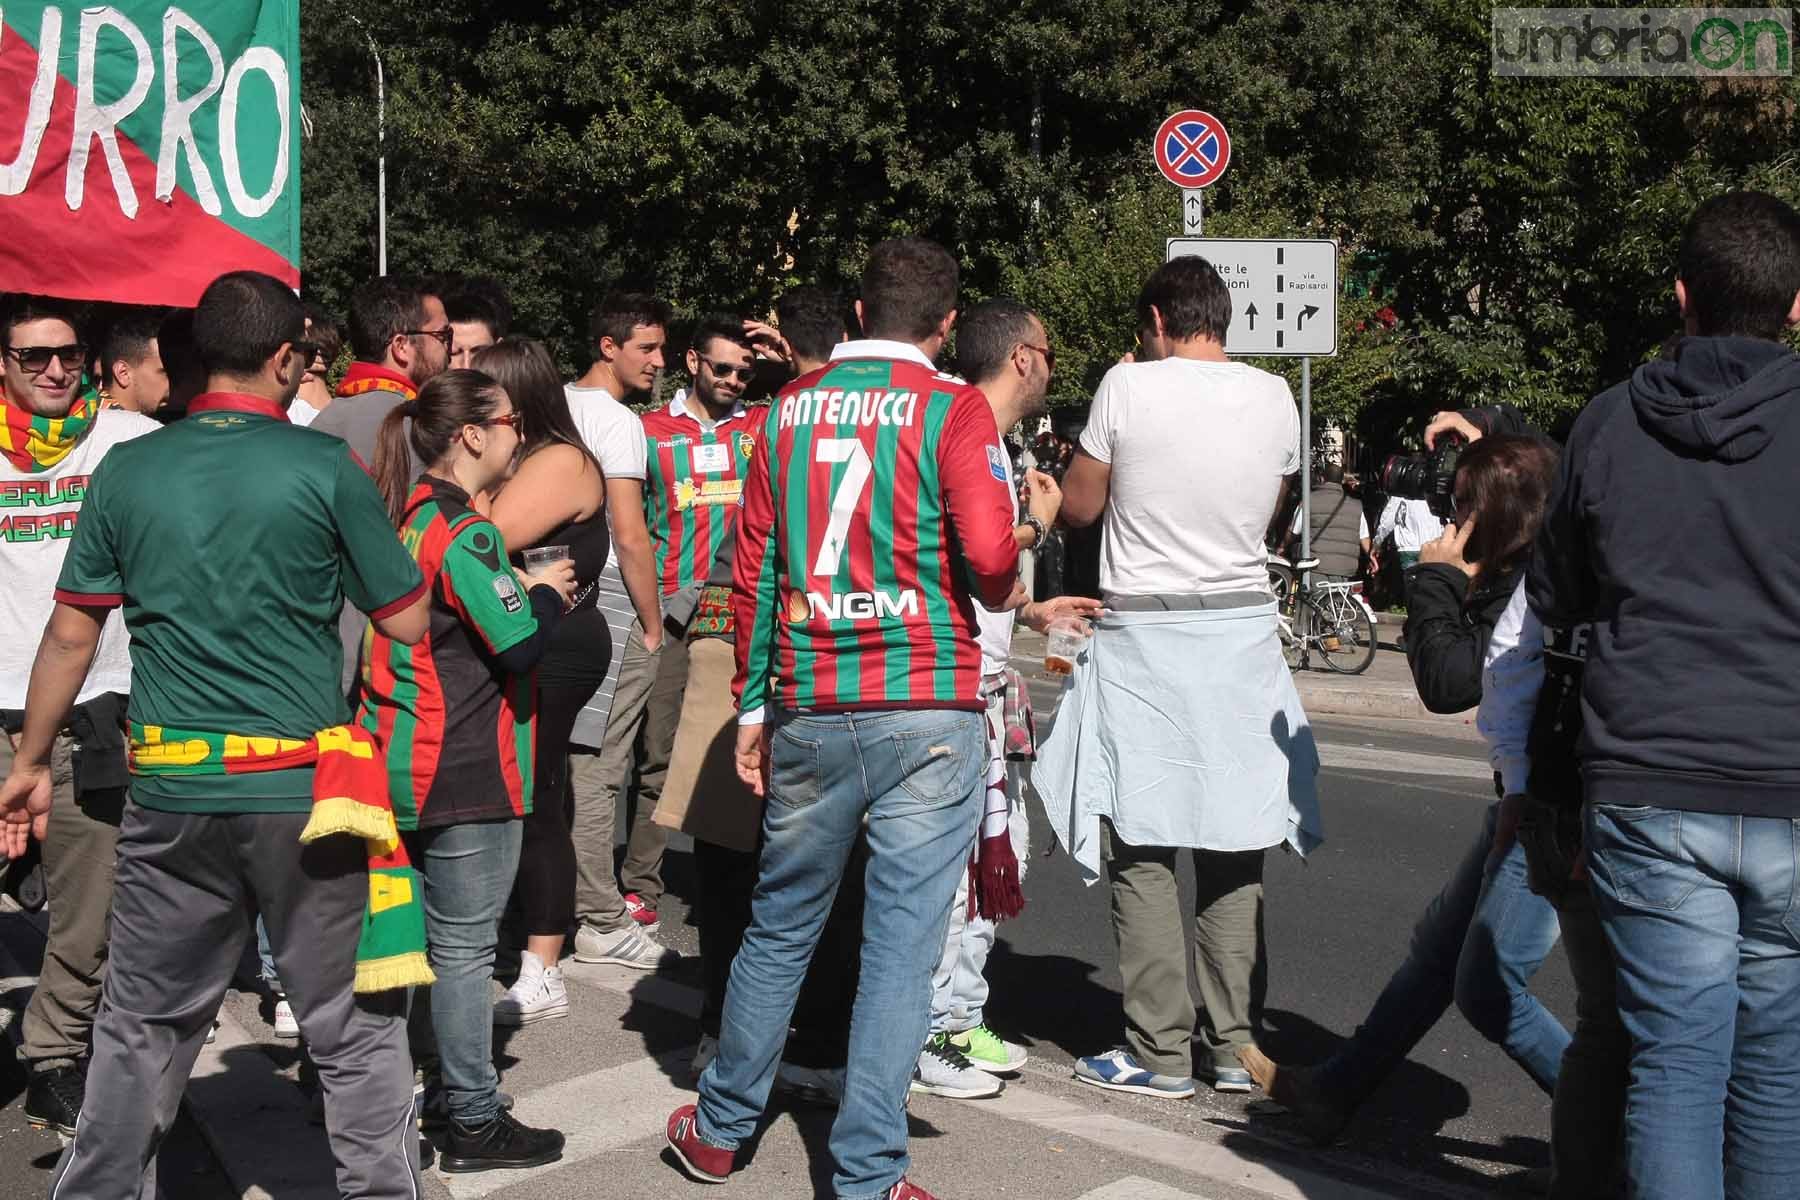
[917,775]
[1703,913]
[1479,943]
[468,872]
[270,976]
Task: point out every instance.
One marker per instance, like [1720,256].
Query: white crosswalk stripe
[1133,1187]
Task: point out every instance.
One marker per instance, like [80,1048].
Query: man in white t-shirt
[1184,461]
[51,440]
[629,330]
[1412,523]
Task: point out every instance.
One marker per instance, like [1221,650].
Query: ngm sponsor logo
[850,606]
[1643,41]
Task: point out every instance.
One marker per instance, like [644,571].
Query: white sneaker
[539,994]
[630,946]
[814,1085]
[285,1025]
[704,1053]
[943,1070]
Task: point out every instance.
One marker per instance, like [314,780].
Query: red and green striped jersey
[875,511]
[456,729]
[691,493]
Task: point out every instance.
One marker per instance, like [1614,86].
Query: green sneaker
[989,1051]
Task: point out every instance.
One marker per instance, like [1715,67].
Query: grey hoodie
[1674,529]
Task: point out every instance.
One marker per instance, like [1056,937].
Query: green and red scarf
[350,795]
[33,443]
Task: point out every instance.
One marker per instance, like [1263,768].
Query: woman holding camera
[1483,937]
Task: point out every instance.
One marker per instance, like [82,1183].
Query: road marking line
[1402,762]
[599,1111]
[1182,1151]
[647,986]
[1134,1187]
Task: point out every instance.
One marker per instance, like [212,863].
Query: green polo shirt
[232,539]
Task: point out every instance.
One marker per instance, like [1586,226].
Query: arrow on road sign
[1192,211]
[1251,313]
[1308,311]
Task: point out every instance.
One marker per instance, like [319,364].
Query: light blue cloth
[1183,729]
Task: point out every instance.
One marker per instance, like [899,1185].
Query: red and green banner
[146,148]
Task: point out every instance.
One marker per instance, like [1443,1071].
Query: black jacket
[1671,527]
[1448,630]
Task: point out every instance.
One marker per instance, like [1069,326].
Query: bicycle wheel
[1345,625]
[1291,626]
[1281,586]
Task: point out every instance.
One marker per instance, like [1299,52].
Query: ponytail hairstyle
[1503,483]
[523,366]
[444,405]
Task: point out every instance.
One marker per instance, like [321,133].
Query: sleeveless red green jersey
[694,478]
[455,728]
[876,510]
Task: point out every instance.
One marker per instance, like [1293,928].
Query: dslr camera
[1430,477]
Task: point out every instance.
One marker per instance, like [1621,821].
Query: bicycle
[1327,615]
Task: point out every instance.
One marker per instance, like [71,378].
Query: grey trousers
[1229,955]
[78,875]
[186,887]
[640,736]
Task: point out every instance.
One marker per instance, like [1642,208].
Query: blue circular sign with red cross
[1192,149]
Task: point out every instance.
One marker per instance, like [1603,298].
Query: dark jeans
[546,884]
[1587,1114]
[726,879]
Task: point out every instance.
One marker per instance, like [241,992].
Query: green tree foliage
[1502,239]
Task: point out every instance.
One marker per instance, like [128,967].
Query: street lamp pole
[380,150]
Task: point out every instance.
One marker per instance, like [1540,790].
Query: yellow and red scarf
[365,377]
[33,443]
[350,795]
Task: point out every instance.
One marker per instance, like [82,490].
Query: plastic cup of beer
[1066,637]
[539,557]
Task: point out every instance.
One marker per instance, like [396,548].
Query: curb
[1319,697]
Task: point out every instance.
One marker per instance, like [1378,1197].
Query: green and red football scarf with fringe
[33,443]
[350,795]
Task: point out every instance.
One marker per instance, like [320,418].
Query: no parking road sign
[1192,149]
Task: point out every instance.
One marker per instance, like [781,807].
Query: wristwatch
[1037,529]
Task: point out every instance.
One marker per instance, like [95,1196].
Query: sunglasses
[446,335]
[306,350]
[1047,352]
[36,359]
[724,371]
[510,420]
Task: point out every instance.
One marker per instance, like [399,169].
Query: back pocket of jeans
[793,769]
[940,766]
[1641,853]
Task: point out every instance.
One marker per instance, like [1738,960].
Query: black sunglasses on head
[36,359]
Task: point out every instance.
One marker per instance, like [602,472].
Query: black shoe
[502,1142]
[434,1109]
[54,1099]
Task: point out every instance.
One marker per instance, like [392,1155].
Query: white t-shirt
[38,515]
[1198,451]
[613,433]
[1410,521]
[301,413]
[994,630]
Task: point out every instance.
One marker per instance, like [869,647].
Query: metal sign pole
[1306,458]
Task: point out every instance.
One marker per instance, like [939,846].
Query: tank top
[581,646]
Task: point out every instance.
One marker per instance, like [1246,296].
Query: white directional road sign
[1283,293]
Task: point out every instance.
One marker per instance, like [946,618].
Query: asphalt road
[1401,801]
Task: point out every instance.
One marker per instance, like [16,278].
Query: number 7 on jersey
[844,500]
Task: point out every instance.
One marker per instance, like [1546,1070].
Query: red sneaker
[706,1163]
[907,1190]
[640,912]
